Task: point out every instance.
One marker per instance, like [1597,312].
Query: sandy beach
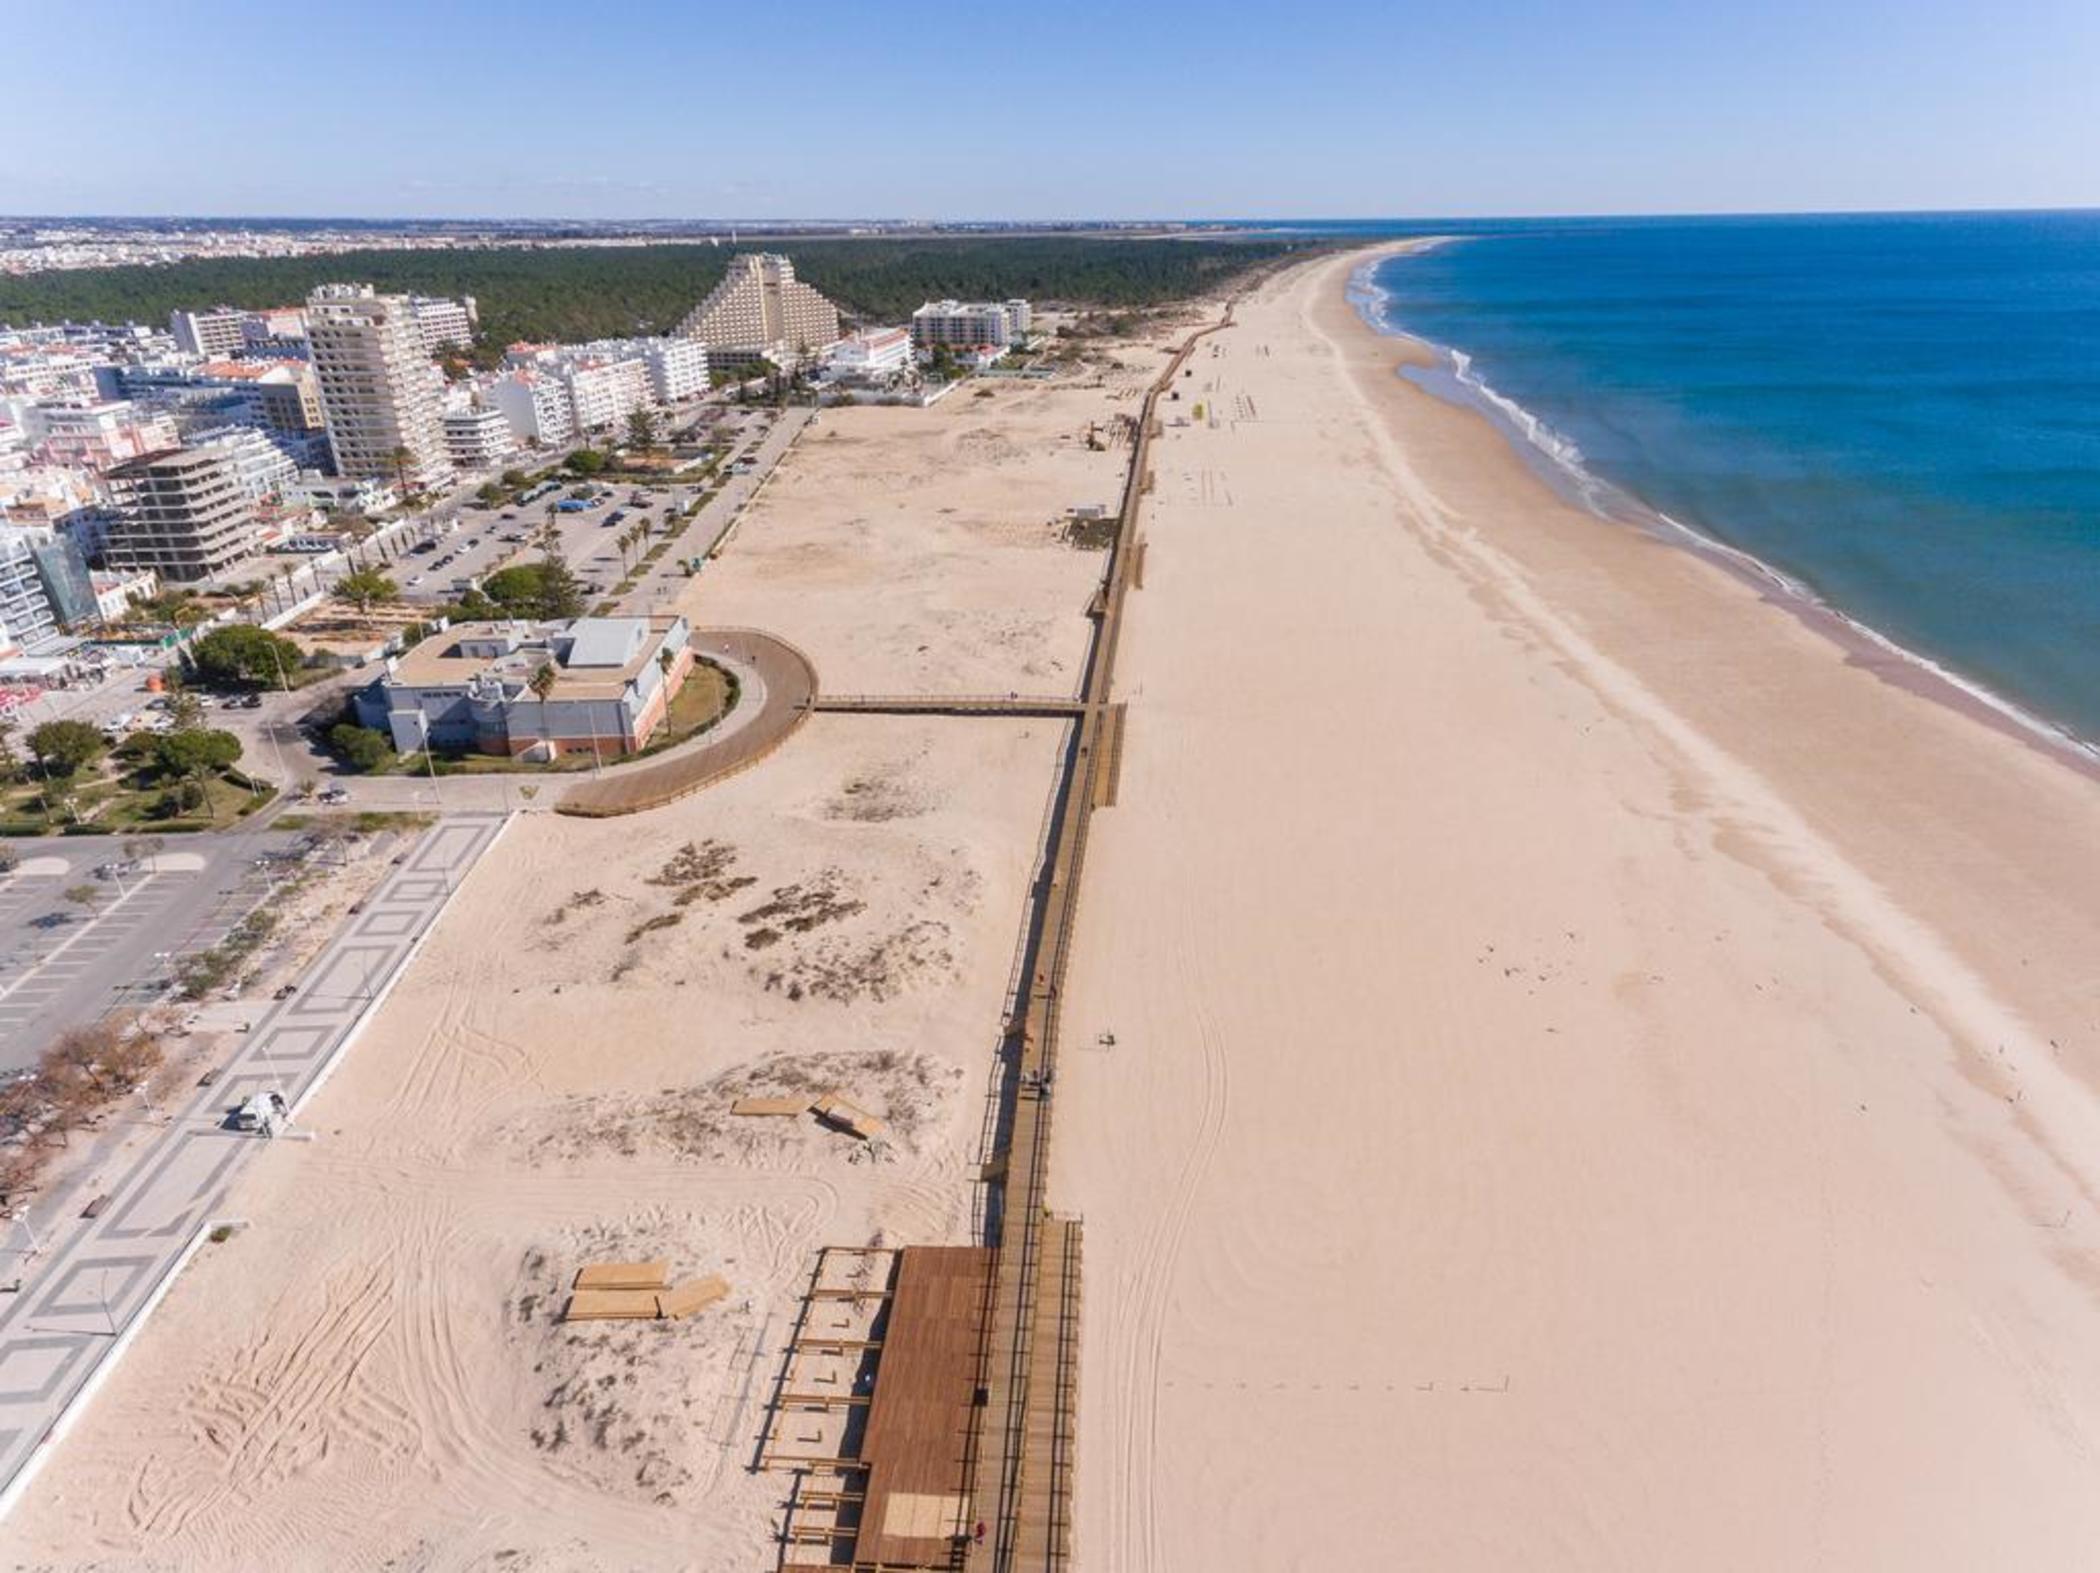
[1601,1078]
[373,1374]
[1566,1065]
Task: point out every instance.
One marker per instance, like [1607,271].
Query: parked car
[334,794]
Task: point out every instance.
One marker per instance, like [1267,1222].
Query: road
[63,964]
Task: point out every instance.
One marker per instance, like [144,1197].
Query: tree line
[598,292]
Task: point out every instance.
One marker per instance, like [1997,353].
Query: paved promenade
[83,1299]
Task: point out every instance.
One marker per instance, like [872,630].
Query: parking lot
[476,542]
[63,962]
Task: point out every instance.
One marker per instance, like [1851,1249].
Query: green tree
[585,461]
[244,654]
[641,430]
[489,493]
[185,709]
[10,762]
[189,757]
[64,748]
[544,589]
[364,589]
[514,480]
[86,897]
[400,456]
[362,748]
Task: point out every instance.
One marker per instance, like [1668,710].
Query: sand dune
[1598,1080]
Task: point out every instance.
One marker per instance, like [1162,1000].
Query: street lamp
[430,759]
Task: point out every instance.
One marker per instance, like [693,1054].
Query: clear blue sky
[1057,109]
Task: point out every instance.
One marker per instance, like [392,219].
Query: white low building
[342,493]
[871,355]
[478,439]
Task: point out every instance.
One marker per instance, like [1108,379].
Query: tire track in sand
[1143,1335]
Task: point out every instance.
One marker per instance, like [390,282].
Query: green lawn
[119,805]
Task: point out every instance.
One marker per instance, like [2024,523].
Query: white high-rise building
[971,325]
[677,368]
[445,322]
[603,393]
[759,309]
[379,390]
[536,403]
[208,333]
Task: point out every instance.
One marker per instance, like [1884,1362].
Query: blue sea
[1901,414]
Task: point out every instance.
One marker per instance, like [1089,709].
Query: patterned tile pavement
[81,1305]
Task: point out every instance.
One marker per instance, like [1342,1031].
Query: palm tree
[399,457]
[247,595]
[542,683]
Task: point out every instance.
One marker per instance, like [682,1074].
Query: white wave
[1609,502]
[1562,450]
[1785,584]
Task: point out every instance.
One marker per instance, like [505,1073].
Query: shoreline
[1864,645]
[1638,1043]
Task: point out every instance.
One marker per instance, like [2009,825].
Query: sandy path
[1547,1127]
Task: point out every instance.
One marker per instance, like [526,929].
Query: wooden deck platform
[919,1425]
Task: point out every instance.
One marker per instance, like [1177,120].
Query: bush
[362,748]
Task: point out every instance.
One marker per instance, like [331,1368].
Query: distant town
[40,245]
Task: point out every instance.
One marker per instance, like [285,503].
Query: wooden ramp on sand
[688,1298]
[612,1305]
[770,1107]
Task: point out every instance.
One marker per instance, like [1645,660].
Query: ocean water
[1900,414]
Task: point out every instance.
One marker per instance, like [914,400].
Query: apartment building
[95,437]
[263,471]
[379,391]
[44,587]
[278,333]
[603,393]
[281,395]
[211,334]
[445,323]
[971,325]
[536,404]
[760,310]
[677,368]
[184,514]
[478,439]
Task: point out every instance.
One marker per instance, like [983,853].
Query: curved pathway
[788,684]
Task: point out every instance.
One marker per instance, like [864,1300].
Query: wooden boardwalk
[951,704]
[1022,1488]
